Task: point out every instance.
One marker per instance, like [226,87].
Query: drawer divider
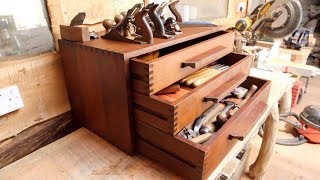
[222,91]
[204,57]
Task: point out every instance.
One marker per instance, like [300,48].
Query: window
[24,28]
[200,10]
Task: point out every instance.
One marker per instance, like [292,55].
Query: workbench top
[83,155]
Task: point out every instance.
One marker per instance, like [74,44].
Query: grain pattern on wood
[177,146]
[258,169]
[134,50]
[75,33]
[98,86]
[62,12]
[33,138]
[83,155]
[162,124]
[40,80]
[285,105]
[221,92]
[191,105]
[168,160]
[169,69]
[185,150]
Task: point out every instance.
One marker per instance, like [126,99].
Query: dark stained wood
[34,138]
[99,81]
[110,94]
[162,124]
[169,161]
[98,85]
[187,108]
[218,94]
[75,33]
[196,61]
[160,73]
[185,150]
[134,50]
[219,145]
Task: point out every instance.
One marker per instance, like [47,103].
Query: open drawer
[198,161]
[178,61]
[172,116]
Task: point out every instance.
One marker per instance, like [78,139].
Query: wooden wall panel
[41,83]
[62,12]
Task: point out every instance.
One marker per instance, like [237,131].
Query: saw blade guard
[287,22]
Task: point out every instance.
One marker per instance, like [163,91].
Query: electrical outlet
[10,100]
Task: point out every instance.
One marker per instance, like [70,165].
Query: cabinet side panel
[97,89]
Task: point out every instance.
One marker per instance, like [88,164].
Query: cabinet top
[130,50]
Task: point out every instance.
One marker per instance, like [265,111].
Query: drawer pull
[232,136]
[204,57]
[222,91]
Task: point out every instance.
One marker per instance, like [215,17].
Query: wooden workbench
[83,155]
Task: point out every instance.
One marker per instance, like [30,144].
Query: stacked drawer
[158,121]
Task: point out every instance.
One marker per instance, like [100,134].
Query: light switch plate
[10,100]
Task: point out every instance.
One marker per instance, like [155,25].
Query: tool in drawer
[206,116]
[233,107]
[200,77]
[249,94]
[222,117]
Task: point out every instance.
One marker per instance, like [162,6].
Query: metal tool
[159,30]
[144,27]
[206,116]
[78,19]
[188,133]
[201,138]
[125,30]
[239,93]
[222,117]
[207,128]
[249,94]
[173,9]
[274,19]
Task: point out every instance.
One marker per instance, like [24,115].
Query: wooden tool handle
[202,138]
[175,12]
[249,94]
[201,75]
[203,58]
[193,75]
[212,111]
[251,91]
[202,80]
[208,128]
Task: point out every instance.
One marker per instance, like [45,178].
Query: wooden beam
[34,138]
[40,80]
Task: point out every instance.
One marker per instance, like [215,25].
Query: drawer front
[211,153]
[171,117]
[149,77]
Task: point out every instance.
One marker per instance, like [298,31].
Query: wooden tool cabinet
[113,93]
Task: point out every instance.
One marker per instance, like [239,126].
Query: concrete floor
[295,162]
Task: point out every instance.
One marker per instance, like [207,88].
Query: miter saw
[275,19]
